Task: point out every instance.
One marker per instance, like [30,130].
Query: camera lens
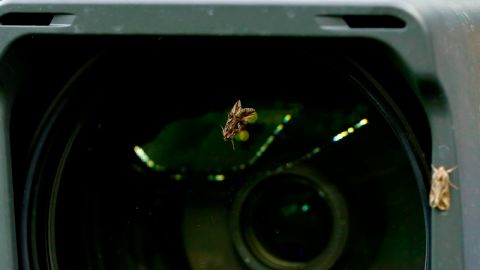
[123,179]
[292,219]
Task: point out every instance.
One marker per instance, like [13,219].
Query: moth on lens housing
[440,188]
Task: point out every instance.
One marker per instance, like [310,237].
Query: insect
[237,120]
[440,188]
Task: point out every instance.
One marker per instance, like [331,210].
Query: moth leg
[451,184]
[233,144]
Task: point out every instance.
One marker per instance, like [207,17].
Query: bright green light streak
[287,118]
[217,177]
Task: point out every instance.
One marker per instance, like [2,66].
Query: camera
[113,117]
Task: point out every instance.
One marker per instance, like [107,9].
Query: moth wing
[247,111]
[442,190]
[433,198]
[436,191]
[437,187]
[444,203]
[237,107]
[246,115]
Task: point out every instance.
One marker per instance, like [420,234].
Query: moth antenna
[434,169]
[451,169]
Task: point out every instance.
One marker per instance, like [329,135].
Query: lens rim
[255,255]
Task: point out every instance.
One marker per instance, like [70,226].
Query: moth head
[228,135]
[442,169]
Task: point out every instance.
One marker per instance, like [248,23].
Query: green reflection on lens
[289,210]
[216,177]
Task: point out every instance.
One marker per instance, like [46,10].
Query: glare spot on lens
[263,148]
[242,136]
[140,153]
[270,139]
[350,130]
[146,159]
[362,122]
[287,118]
[150,163]
[216,177]
[338,137]
[278,129]
[305,207]
[177,177]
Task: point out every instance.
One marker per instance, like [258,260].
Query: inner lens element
[289,219]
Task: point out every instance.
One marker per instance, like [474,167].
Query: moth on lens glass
[237,120]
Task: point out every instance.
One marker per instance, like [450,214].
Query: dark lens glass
[289,218]
[135,172]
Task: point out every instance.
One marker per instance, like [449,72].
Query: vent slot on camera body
[36,19]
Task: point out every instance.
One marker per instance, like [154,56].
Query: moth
[237,120]
[440,188]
